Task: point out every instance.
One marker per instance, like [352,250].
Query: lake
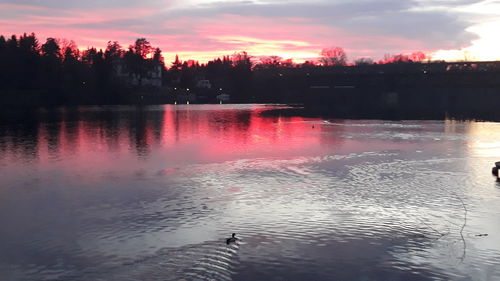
[152,193]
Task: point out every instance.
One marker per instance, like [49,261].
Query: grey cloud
[435,28]
[142,26]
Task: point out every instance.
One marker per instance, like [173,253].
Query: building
[152,77]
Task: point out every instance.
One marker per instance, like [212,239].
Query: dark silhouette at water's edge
[299,110]
[38,75]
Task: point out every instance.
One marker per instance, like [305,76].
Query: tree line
[58,72]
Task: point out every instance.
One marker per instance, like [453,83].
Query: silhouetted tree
[113,51]
[142,47]
[3,63]
[134,64]
[333,56]
[177,64]
[157,56]
[417,56]
[141,61]
[241,76]
[28,61]
[242,59]
[70,52]
[271,61]
[57,73]
[51,70]
[12,43]
[3,43]
[89,56]
[29,43]
[363,61]
[51,48]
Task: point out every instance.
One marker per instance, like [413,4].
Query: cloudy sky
[204,29]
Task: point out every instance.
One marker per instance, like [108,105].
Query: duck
[232,239]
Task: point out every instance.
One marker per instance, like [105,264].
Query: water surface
[151,193]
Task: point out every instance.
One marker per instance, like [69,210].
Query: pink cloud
[198,38]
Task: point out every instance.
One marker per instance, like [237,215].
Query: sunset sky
[205,29]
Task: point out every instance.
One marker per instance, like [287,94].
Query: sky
[206,29]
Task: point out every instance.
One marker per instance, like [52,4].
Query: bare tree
[242,59]
[271,60]
[333,56]
[418,56]
[363,61]
[69,50]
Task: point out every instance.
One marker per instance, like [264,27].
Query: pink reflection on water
[229,134]
[95,141]
[132,140]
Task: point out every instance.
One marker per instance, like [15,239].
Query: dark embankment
[400,91]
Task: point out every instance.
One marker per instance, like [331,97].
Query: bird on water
[231,239]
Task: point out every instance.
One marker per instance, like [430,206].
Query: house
[152,77]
